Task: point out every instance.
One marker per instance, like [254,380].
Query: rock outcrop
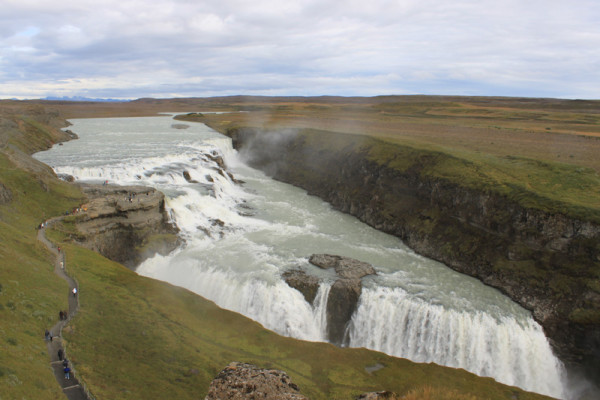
[345,267]
[306,284]
[543,260]
[383,395]
[246,381]
[343,295]
[5,194]
[126,224]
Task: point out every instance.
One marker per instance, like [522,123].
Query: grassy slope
[543,154]
[134,330]
[28,300]
[139,338]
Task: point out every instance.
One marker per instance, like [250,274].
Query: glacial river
[241,237]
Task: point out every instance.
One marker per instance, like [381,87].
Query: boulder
[306,284]
[383,395]
[179,126]
[5,194]
[341,303]
[343,295]
[217,159]
[66,177]
[347,268]
[188,177]
[247,381]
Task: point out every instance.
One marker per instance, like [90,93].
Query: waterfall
[512,352]
[320,308]
[240,238]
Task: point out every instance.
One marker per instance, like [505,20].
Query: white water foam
[512,352]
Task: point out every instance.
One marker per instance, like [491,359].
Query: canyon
[543,260]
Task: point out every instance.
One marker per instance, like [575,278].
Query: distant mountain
[81,98]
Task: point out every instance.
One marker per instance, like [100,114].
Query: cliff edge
[126,224]
[542,258]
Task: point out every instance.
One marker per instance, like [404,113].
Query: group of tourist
[65,363]
[62,315]
[61,354]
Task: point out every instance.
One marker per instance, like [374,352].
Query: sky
[127,49]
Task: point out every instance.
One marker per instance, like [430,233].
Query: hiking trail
[71,387]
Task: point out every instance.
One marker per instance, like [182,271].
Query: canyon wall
[546,261]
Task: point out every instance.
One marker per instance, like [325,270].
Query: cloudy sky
[180,48]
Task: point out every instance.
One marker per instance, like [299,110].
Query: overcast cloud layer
[182,48]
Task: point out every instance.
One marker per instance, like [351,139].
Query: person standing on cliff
[74,291]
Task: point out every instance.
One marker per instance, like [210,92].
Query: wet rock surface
[306,284]
[343,295]
[345,267]
[247,381]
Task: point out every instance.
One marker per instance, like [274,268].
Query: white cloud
[350,47]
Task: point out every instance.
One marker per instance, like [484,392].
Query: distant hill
[81,98]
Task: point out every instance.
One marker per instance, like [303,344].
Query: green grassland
[136,338]
[29,302]
[542,154]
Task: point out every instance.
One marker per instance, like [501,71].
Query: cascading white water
[390,320]
[241,237]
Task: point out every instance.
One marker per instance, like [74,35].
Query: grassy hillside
[542,153]
[136,338]
[30,293]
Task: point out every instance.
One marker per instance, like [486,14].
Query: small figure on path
[61,315]
[67,373]
[47,335]
[74,291]
[59,249]
[62,265]
[65,315]
[65,363]
[60,354]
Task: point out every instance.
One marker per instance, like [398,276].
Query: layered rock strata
[126,224]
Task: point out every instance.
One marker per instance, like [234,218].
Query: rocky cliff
[343,295]
[122,230]
[126,224]
[546,261]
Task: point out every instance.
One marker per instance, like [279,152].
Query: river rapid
[240,237]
